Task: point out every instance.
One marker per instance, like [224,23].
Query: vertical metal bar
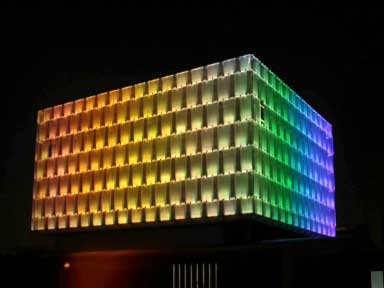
[209,275]
[203,275]
[174,276]
[215,275]
[185,275]
[197,275]
[179,272]
[191,275]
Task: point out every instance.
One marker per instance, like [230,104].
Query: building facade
[227,139]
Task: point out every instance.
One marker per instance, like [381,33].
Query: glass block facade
[226,139]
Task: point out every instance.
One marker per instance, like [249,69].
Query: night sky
[333,59]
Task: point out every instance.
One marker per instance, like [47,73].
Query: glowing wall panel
[224,139]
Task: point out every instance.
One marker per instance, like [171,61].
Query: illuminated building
[226,139]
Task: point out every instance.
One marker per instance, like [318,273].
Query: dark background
[332,58]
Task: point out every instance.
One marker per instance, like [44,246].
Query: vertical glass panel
[111,178]
[212,114]
[65,145]
[110,218]
[152,127]
[181,121]
[48,207]
[67,108]
[98,180]
[165,170]
[246,108]
[122,217]
[191,191]
[41,169]
[180,168]
[147,106]
[51,167]
[240,84]
[82,203]
[70,204]
[167,83]
[137,175]
[176,145]
[120,155]
[146,151]
[182,79]
[160,194]
[107,157]
[191,143]
[229,66]
[97,219]
[207,140]
[79,105]
[207,92]
[134,109]
[229,161]
[61,165]
[85,121]
[196,162]
[153,86]
[213,70]
[121,112]
[90,103]
[44,152]
[165,213]
[126,93]
[229,111]
[38,208]
[106,200]
[63,126]
[137,215]
[197,75]
[118,199]
[97,117]
[88,140]
[191,95]
[162,102]
[94,199]
[241,185]
[125,133]
[177,100]
[212,160]
[75,184]
[100,138]
[223,88]
[223,137]
[161,148]
[55,147]
[241,134]
[133,153]
[245,62]
[86,181]
[53,186]
[112,135]
[83,161]
[180,212]
[132,197]
[109,115]
[197,118]
[101,99]
[207,189]
[146,196]
[224,187]
[53,128]
[42,132]
[123,176]
[166,124]
[59,205]
[114,96]
[151,173]
[138,130]
[175,193]
[72,163]
[246,159]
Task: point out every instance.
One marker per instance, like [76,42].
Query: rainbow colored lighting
[226,139]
